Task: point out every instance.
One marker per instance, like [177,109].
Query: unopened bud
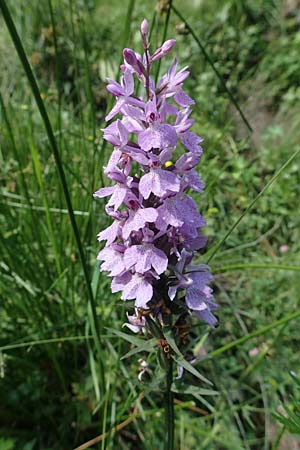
[129,56]
[144,28]
[132,60]
[168,45]
[163,50]
[144,34]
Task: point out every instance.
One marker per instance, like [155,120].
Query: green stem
[169,408]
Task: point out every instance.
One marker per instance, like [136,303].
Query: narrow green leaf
[24,187]
[147,346]
[252,335]
[187,366]
[96,381]
[39,176]
[181,388]
[128,337]
[95,278]
[246,266]
[44,342]
[295,378]
[179,358]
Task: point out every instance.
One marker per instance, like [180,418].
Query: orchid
[156,229]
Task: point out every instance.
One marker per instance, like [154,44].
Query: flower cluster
[156,228]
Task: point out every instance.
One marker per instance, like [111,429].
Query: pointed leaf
[132,339]
[179,358]
[147,346]
[182,388]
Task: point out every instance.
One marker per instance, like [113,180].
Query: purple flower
[134,286]
[135,323]
[109,234]
[156,229]
[158,136]
[113,257]
[143,257]
[160,182]
[137,219]
[124,91]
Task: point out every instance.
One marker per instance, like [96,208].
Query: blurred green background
[59,386]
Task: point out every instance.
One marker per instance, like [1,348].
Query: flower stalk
[169,408]
[156,228]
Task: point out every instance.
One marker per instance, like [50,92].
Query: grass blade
[251,204]
[252,335]
[169,6]
[44,342]
[53,144]
[23,184]
[246,266]
[148,346]
[39,176]
[211,63]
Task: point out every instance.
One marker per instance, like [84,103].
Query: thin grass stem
[211,63]
[253,266]
[169,7]
[252,335]
[169,408]
[251,204]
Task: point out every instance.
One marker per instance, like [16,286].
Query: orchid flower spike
[156,228]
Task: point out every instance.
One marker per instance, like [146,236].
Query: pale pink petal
[109,233]
[138,288]
[159,260]
[160,182]
[191,141]
[104,192]
[182,98]
[138,219]
[123,132]
[112,261]
[113,161]
[119,282]
[115,109]
[157,136]
[144,294]
[128,82]
[118,196]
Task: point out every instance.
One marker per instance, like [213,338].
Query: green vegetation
[62,380]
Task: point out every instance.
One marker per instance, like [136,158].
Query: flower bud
[168,45]
[129,56]
[144,34]
[134,61]
[163,50]
[144,28]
